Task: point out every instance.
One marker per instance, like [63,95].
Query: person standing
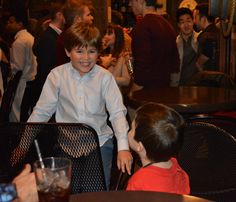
[154,47]
[21,57]
[209,39]
[73,11]
[44,49]
[187,45]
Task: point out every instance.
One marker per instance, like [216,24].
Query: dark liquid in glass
[61,195]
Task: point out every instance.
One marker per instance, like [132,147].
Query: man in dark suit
[45,51]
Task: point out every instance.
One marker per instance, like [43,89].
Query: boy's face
[83,59]
[132,142]
[186,24]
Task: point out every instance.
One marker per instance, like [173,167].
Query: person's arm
[201,60]
[117,111]
[17,61]
[120,69]
[26,185]
[3,58]
[205,51]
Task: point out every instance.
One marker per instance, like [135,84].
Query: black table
[133,196]
[187,100]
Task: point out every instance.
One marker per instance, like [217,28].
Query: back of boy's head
[203,9]
[82,35]
[159,128]
[183,11]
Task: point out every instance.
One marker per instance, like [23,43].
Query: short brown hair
[74,8]
[82,34]
[160,129]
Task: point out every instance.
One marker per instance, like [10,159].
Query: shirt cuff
[122,144]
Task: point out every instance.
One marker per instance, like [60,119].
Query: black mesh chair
[208,155]
[75,141]
[226,123]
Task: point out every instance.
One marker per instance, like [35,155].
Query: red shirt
[152,178]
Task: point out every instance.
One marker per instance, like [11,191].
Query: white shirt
[21,55]
[57,30]
[22,59]
[84,99]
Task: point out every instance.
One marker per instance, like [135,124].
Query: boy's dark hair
[119,39]
[203,9]
[183,11]
[159,128]
[82,35]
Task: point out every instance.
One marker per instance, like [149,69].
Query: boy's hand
[124,161]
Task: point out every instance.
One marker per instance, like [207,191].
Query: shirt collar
[90,74]
[189,38]
[57,30]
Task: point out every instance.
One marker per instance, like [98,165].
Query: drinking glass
[129,62]
[53,178]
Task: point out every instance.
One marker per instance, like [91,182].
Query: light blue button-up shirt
[85,99]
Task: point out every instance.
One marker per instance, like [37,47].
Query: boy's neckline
[165,165]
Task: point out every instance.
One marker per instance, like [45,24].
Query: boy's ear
[140,147]
[67,53]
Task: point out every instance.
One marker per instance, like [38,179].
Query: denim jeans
[107,155]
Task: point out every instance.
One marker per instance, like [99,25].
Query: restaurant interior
[206,101]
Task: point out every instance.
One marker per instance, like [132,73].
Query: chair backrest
[208,155]
[75,141]
[211,79]
[225,122]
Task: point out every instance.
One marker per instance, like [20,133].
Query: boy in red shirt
[156,137]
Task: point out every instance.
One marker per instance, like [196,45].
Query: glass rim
[37,162]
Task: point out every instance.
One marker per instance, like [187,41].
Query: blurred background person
[153,46]
[73,11]
[208,39]
[113,54]
[21,56]
[187,45]
[44,49]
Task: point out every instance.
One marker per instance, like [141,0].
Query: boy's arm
[117,111]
